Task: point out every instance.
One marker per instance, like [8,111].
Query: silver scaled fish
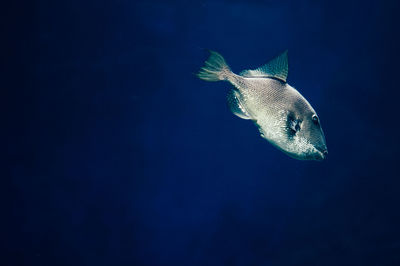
[283,116]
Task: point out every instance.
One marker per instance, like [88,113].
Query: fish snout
[322,153]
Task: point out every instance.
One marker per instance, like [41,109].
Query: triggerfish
[283,116]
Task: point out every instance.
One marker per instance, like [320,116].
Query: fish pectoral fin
[276,68]
[233,99]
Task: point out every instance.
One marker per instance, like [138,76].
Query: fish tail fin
[215,68]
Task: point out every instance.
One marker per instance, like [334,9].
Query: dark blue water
[116,154]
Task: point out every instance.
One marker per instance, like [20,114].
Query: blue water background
[116,154]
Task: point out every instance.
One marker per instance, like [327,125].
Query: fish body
[283,116]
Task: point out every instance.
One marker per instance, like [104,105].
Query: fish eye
[315,119]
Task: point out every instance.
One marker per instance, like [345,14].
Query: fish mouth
[322,154]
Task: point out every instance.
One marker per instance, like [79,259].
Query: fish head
[296,130]
[305,139]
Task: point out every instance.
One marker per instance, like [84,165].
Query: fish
[282,115]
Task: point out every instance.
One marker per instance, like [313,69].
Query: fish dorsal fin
[276,68]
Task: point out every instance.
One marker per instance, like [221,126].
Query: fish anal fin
[233,99]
